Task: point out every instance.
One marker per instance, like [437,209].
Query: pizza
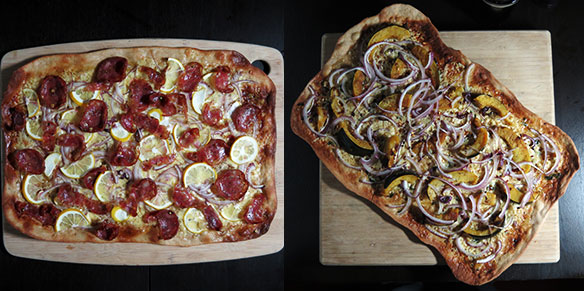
[171,146]
[434,141]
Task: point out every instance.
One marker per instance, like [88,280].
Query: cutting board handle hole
[262,65]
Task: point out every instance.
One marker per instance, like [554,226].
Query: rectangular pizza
[161,145]
[435,141]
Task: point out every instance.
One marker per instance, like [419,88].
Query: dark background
[300,24]
[26,24]
[306,22]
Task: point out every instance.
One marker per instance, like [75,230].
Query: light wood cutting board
[354,232]
[20,245]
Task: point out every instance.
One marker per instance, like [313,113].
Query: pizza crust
[68,67]
[415,21]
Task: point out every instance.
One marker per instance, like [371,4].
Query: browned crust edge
[55,64]
[408,16]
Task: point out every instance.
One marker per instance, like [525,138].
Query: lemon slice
[77,169]
[31,98]
[173,69]
[105,188]
[244,150]
[199,174]
[71,218]
[232,212]
[119,133]
[32,185]
[51,163]
[69,116]
[194,220]
[34,129]
[81,95]
[156,113]
[160,201]
[200,96]
[151,146]
[119,214]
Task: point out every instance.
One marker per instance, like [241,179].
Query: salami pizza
[435,141]
[162,145]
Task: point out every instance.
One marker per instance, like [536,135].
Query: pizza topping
[52,92]
[71,218]
[93,116]
[14,118]
[78,168]
[230,184]
[167,222]
[173,70]
[255,213]
[106,230]
[188,137]
[213,153]
[222,79]
[69,197]
[184,199]
[138,191]
[245,117]
[72,146]
[46,213]
[28,161]
[111,70]
[154,76]
[190,77]
[244,150]
[213,220]
[88,180]
[123,154]
[212,116]
[140,92]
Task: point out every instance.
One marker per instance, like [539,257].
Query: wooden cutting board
[20,245]
[354,232]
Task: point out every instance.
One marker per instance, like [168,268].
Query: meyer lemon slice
[119,214]
[151,146]
[200,95]
[119,133]
[77,169]
[70,116]
[244,150]
[194,221]
[232,212]
[34,129]
[31,98]
[156,113]
[71,218]
[199,174]
[81,95]
[173,69]
[105,187]
[32,185]
[51,163]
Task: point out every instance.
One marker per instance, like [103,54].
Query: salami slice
[46,213]
[190,77]
[111,70]
[213,220]
[211,116]
[230,184]
[52,92]
[14,118]
[106,230]
[123,154]
[93,116]
[140,92]
[213,153]
[255,212]
[167,222]
[184,199]
[88,180]
[74,145]
[29,161]
[154,76]
[222,79]
[245,117]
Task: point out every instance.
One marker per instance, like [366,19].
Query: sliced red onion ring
[492,256]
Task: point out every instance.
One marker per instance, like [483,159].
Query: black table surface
[35,23]
[305,23]
[295,28]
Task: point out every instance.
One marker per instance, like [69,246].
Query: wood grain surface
[354,232]
[20,245]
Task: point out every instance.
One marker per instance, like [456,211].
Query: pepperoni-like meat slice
[143,189]
[106,230]
[154,76]
[88,180]
[127,122]
[52,92]
[67,196]
[140,92]
[188,137]
[46,213]
[245,117]
[213,153]
[213,220]
[183,198]
[29,161]
[74,145]
[230,184]
[167,222]
[48,138]
[211,116]
[158,161]
[111,70]
[14,118]
[146,122]
[222,76]
[93,116]
[255,212]
[124,154]
[190,77]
